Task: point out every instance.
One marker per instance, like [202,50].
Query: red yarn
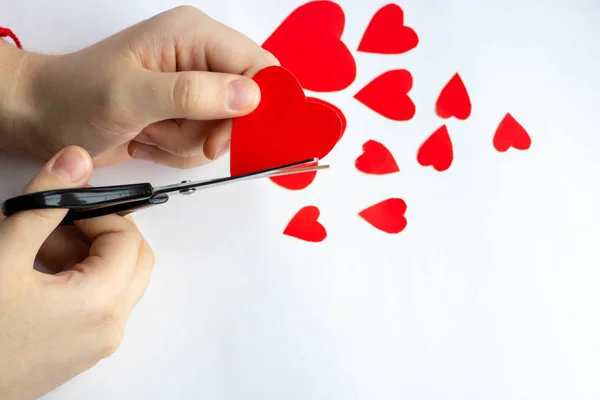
[7,32]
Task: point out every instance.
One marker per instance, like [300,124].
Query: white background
[490,293]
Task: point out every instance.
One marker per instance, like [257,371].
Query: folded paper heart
[283,129]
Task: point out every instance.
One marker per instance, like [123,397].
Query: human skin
[163,90]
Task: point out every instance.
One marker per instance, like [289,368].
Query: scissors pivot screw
[187,191]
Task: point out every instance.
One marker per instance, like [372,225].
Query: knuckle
[187,9]
[188,162]
[271,58]
[111,344]
[187,93]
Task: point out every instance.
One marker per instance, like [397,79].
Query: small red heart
[305,225]
[387,34]
[283,129]
[376,159]
[388,95]
[387,216]
[308,43]
[454,100]
[436,151]
[511,134]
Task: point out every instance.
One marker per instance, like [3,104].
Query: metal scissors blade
[91,202]
[188,187]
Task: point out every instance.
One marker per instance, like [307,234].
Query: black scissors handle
[87,202]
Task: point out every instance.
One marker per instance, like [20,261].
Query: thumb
[28,230]
[194,95]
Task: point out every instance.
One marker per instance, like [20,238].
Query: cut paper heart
[511,134]
[283,129]
[308,43]
[303,180]
[339,112]
[387,216]
[454,100]
[437,151]
[305,225]
[376,159]
[387,95]
[387,34]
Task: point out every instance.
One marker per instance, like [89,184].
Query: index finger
[114,250]
[197,42]
[227,50]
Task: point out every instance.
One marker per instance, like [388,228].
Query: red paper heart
[388,95]
[511,134]
[387,34]
[303,180]
[339,112]
[376,159]
[283,129]
[387,216]
[436,151]
[305,225]
[308,43]
[454,100]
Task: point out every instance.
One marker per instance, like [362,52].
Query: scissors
[92,202]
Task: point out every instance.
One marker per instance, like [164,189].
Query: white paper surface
[491,292]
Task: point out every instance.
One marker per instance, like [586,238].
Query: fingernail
[72,164]
[141,155]
[243,94]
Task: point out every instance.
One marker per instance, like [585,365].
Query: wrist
[18,111]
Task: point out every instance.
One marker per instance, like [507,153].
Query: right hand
[55,326]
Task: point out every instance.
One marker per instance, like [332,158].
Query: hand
[163,90]
[55,326]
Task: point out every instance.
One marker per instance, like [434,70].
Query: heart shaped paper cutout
[454,100]
[511,134]
[387,34]
[308,43]
[303,180]
[283,129]
[339,112]
[388,95]
[376,159]
[305,225]
[387,216]
[437,150]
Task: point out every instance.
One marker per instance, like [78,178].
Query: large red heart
[283,129]
[454,100]
[511,134]
[437,151]
[305,225]
[387,34]
[387,216]
[376,159]
[308,43]
[388,95]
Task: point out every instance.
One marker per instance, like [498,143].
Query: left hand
[163,90]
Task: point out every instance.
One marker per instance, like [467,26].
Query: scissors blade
[288,169]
